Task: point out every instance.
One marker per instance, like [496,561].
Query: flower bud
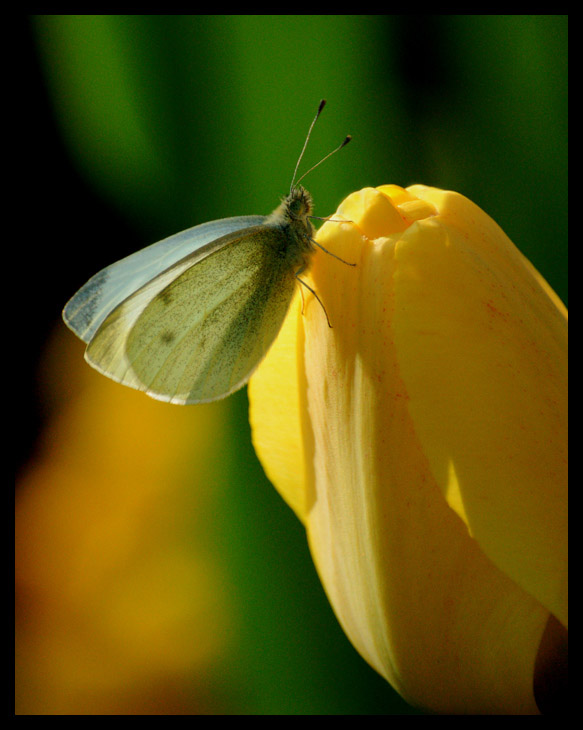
[422,441]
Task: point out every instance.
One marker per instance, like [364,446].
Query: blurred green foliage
[181,119]
[174,120]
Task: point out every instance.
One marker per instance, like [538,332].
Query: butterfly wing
[90,306]
[197,331]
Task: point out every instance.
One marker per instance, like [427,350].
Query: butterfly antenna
[321,105]
[340,146]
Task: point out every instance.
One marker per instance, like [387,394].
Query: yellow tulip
[422,442]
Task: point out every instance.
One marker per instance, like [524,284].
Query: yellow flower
[422,442]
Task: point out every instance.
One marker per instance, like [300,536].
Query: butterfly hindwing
[198,330]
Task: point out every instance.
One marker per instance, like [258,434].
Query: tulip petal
[275,417]
[482,350]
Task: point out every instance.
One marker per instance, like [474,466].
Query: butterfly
[189,319]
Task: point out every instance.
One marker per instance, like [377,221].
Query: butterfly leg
[319,245]
[309,288]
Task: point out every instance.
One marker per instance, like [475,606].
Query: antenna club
[295,183]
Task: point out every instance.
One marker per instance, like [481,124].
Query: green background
[139,126]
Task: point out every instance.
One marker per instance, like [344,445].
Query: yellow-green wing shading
[197,331]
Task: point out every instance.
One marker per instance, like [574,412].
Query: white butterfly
[188,319]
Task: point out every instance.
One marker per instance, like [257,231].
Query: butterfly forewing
[92,304]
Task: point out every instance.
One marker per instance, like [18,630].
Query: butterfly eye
[299,204]
[297,208]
